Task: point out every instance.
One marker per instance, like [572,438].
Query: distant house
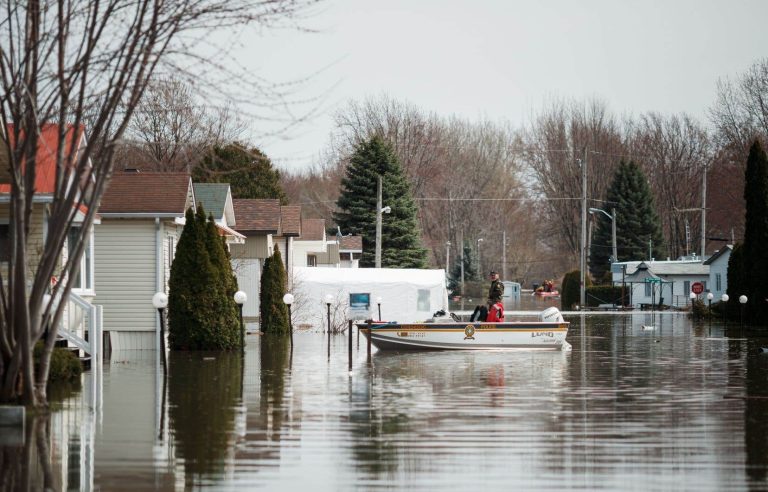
[665,282]
[350,251]
[290,229]
[142,219]
[83,290]
[216,199]
[259,221]
[313,248]
[718,271]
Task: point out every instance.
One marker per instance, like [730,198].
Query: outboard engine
[551,315]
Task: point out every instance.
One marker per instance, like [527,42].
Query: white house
[313,248]
[718,271]
[142,218]
[661,282]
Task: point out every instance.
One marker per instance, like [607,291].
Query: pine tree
[400,241]
[637,222]
[470,270]
[756,235]
[273,313]
[249,173]
[736,280]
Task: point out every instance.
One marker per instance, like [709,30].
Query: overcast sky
[501,60]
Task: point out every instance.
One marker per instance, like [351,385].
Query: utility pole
[504,255]
[613,235]
[704,213]
[448,258]
[582,279]
[461,248]
[378,222]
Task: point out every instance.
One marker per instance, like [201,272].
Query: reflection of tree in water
[275,354]
[25,458]
[204,390]
[755,423]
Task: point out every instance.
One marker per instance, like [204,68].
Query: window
[311,260]
[687,287]
[5,242]
[422,303]
[718,282]
[84,272]
[648,286]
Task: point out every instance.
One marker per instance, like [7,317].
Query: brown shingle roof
[257,215]
[312,229]
[290,220]
[354,243]
[161,193]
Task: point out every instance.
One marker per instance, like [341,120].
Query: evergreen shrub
[273,313]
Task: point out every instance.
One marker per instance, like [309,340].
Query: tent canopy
[407,295]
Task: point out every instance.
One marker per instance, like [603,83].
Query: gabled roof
[673,267]
[45,158]
[312,229]
[290,220]
[718,254]
[351,243]
[257,215]
[213,196]
[147,194]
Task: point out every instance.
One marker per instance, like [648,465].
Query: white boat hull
[468,336]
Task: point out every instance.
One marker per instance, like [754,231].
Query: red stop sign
[697,288]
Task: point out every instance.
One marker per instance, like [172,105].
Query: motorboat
[545,330]
[543,293]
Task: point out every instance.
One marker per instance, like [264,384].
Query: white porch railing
[83,317]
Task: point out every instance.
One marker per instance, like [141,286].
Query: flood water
[681,406]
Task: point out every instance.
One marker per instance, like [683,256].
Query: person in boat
[496,291]
[495,313]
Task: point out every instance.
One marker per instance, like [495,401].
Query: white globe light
[710,296]
[379,299]
[693,296]
[725,298]
[160,300]
[240,297]
[328,299]
[288,299]
[743,299]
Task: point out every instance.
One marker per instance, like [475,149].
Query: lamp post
[160,301]
[378,302]
[743,302]
[288,300]
[328,301]
[725,298]
[240,298]
[613,228]
[710,296]
[693,298]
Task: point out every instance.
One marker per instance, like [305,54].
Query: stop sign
[697,288]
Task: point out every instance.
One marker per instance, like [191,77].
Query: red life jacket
[495,313]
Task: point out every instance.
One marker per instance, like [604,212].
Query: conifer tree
[229,327]
[470,270]
[199,315]
[756,235]
[273,313]
[637,222]
[736,280]
[400,239]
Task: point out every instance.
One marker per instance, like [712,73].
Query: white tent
[406,295]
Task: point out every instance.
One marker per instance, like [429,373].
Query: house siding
[126,277]
[255,247]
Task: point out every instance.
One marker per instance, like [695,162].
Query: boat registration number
[411,334]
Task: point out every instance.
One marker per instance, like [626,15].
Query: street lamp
[725,298]
[693,298]
[743,302]
[160,301]
[240,298]
[710,296]
[613,228]
[378,302]
[288,300]
[328,301]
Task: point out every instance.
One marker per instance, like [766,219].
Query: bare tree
[557,142]
[674,152]
[72,63]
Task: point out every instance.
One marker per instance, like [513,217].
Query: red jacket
[495,313]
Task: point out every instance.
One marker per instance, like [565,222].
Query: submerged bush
[65,365]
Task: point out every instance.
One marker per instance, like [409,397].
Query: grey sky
[501,60]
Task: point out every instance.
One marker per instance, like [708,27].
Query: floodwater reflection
[644,401]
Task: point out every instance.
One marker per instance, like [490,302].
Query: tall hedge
[273,313]
[201,310]
[570,292]
[756,235]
